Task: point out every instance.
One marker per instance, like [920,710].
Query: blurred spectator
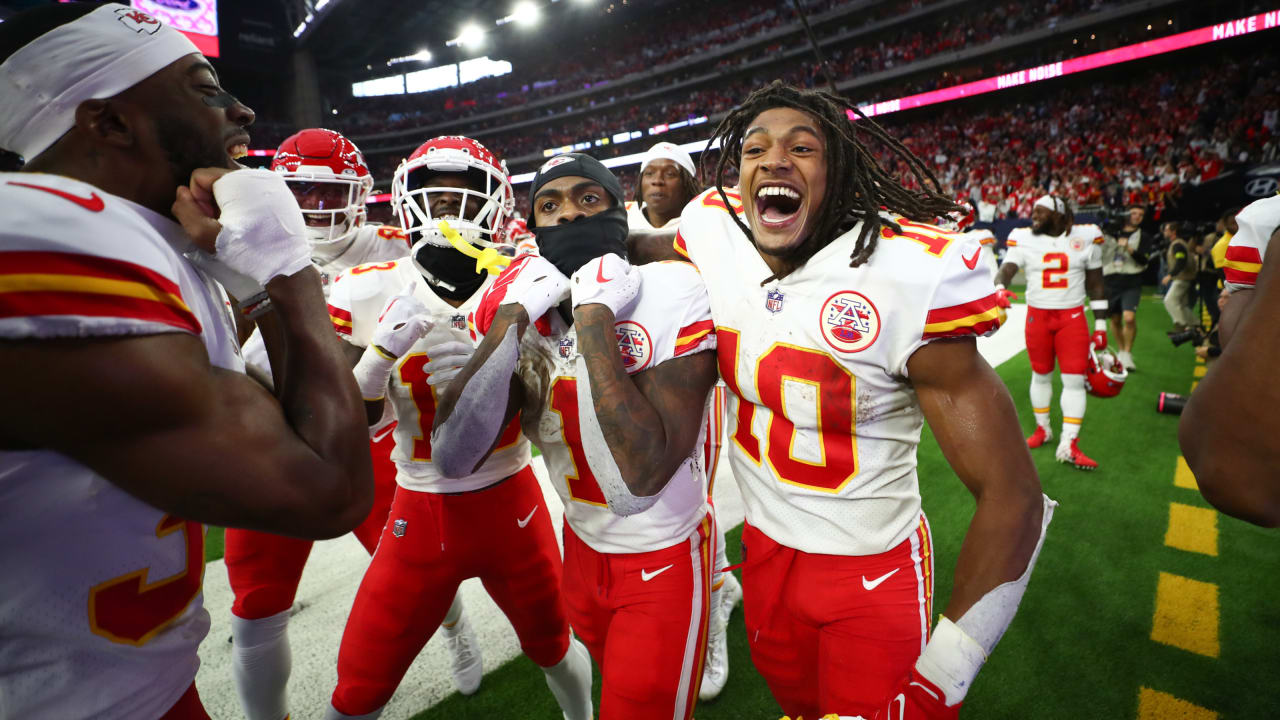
[1183,268]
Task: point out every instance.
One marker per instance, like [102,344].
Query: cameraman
[1123,277]
[1183,267]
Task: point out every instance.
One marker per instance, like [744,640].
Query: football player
[331,182]
[842,324]
[612,385]
[1227,431]
[1062,262]
[405,324]
[668,181]
[134,422]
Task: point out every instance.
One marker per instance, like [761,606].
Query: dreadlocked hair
[858,188]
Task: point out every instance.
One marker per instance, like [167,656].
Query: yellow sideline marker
[1182,476]
[1155,705]
[1199,371]
[1186,615]
[1194,529]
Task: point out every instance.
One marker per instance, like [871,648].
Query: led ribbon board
[197,19]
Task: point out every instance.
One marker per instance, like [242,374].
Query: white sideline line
[333,573]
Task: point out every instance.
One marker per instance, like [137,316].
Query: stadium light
[471,36]
[526,13]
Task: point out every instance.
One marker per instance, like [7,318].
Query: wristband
[372,372]
[1096,305]
[1100,325]
[951,660]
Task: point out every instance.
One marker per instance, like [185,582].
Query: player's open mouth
[238,147]
[778,205]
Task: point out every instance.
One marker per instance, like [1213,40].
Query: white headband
[1051,203]
[668,151]
[96,56]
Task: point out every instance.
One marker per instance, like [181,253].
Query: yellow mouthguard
[488,259]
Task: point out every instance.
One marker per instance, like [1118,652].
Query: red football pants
[643,617]
[188,707]
[265,569]
[1061,333]
[501,534]
[835,633]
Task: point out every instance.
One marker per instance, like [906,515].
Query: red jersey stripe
[957,312]
[27,262]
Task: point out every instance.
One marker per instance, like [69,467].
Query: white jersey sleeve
[1248,247]
[355,303]
[77,262]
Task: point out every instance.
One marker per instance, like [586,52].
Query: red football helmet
[478,211]
[331,181]
[1106,374]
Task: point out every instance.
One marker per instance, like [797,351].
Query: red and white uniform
[492,524]
[1055,270]
[102,610]
[645,577]
[1248,247]
[987,240]
[823,444]
[264,569]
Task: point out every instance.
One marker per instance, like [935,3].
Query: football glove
[403,321]
[1004,298]
[608,280]
[446,361]
[915,698]
[536,284]
[1099,339]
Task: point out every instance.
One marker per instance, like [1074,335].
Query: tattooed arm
[649,420]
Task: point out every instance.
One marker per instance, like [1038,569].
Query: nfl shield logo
[397,528]
[458,322]
[566,347]
[773,301]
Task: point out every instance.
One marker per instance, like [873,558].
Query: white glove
[404,320]
[608,280]
[446,361]
[263,235]
[241,287]
[537,285]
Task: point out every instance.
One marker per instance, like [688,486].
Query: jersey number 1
[583,486]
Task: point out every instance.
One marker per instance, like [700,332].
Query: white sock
[1073,402]
[332,713]
[570,681]
[452,617]
[1041,392]
[260,664]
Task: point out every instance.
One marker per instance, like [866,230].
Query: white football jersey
[373,243]
[636,219]
[1055,265]
[1248,247]
[102,610]
[825,422]
[355,302]
[668,319]
[987,240]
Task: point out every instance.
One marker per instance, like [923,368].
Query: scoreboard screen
[197,19]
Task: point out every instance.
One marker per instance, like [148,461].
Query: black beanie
[579,165]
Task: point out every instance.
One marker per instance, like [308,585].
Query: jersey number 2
[1060,268]
[833,389]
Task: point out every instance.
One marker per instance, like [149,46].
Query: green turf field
[1081,646]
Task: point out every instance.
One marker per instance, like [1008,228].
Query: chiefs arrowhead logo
[138,21]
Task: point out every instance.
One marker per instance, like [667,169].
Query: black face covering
[452,267]
[574,244]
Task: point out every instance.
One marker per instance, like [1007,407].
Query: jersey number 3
[130,610]
[833,390]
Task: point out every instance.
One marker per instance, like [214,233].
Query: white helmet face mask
[480,213]
[333,207]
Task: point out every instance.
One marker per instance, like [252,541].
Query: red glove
[1004,298]
[1099,339]
[915,698]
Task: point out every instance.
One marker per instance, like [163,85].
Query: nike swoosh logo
[901,703]
[93,203]
[931,693]
[600,274]
[1075,315]
[972,262]
[872,585]
[528,517]
[646,576]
